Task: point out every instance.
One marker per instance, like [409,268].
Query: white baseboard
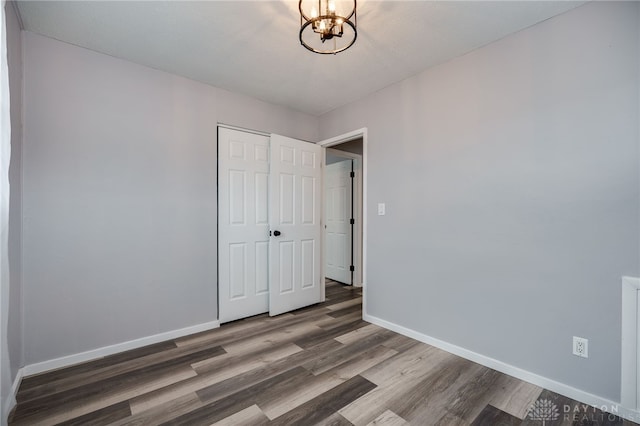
[527,376]
[17,381]
[68,360]
[10,401]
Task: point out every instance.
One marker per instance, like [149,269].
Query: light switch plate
[381,209]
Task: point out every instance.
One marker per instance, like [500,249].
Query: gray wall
[513,203]
[120,196]
[331,159]
[14,322]
[14,44]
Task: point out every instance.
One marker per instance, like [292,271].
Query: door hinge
[352,174]
[352,221]
[352,268]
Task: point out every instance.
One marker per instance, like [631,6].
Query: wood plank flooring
[321,365]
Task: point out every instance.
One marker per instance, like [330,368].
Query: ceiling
[252,47]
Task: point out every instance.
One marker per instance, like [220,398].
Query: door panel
[308,263]
[262,198]
[308,200]
[296,177]
[287,186]
[262,267]
[237,197]
[338,231]
[286,265]
[243,226]
[238,268]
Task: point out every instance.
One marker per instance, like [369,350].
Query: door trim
[242,129]
[630,391]
[345,137]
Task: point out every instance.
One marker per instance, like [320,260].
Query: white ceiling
[252,47]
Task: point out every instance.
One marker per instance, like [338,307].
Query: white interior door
[338,228]
[243,224]
[295,215]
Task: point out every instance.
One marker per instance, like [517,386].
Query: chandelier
[326,26]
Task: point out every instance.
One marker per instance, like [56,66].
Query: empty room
[320,212]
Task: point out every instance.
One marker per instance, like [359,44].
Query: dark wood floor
[320,365]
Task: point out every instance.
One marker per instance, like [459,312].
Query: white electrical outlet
[581,347]
[381,209]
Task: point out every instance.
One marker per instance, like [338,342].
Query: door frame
[358,203]
[327,143]
[630,382]
[217,171]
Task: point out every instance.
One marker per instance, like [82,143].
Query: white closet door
[295,214]
[243,224]
[338,230]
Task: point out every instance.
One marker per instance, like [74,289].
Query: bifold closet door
[267,186]
[295,216]
[243,224]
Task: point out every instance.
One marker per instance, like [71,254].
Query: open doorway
[351,149]
[347,143]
